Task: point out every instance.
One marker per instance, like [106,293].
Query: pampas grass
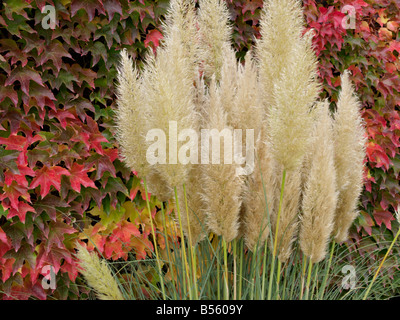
[215,36]
[98,275]
[349,140]
[131,129]
[319,194]
[308,168]
[221,183]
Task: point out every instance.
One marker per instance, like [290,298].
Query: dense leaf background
[61,178]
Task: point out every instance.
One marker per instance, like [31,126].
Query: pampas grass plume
[289,118]
[222,185]
[319,195]
[98,275]
[168,88]
[350,138]
[281,25]
[130,116]
[215,35]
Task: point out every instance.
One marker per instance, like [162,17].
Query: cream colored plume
[157,186]
[98,275]
[281,27]
[294,93]
[215,35]
[247,110]
[289,219]
[319,194]
[229,86]
[222,185]
[196,206]
[130,117]
[349,141]
[169,91]
[259,198]
[182,15]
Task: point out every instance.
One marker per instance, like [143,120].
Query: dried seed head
[319,195]
[98,275]
[349,142]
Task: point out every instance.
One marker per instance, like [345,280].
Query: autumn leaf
[382,216]
[78,177]
[54,52]
[154,36]
[115,215]
[9,92]
[14,142]
[24,75]
[88,6]
[13,192]
[6,268]
[124,231]
[21,212]
[112,7]
[47,177]
[3,237]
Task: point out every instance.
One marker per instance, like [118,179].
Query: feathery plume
[349,140]
[259,198]
[98,275]
[215,35]
[228,85]
[319,195]
[289,219]
[246,111]
[158,186]
[196,206]
[222,185]
[130,117]
[169,90]
[182,15]
[281,26]
[289,117]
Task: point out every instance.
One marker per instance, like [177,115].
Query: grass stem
[153,231]
[276,236]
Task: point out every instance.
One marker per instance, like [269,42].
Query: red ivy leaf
[112,7]
[8,92]
[23,208]
[12,193]
[6,268]
[24,75]
[385,217]
[14,142]
[20,178]
[89,6]
[47,177]
[124,231]
[3,237]
[153,36]
[78,177]
[55,51]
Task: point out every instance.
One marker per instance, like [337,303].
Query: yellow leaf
[130,211]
